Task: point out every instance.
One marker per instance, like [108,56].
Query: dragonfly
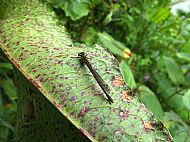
[101,82]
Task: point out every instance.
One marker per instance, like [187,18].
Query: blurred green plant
[151,44]
[7,100]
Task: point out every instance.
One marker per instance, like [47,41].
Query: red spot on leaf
[83,111]
[16,64]
[110,122]
[123,114]
[73,98]
[43,80]
[35,83]
[91,132]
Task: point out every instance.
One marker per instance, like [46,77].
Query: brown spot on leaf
[148,126]
[21,55]
[37,76]
[118,81]
[56,48]
[126,96]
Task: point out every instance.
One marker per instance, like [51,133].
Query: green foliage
[184,56]
[173,70]
[7,100]
[160,58]
[75,9]
[176,125]
[186,100]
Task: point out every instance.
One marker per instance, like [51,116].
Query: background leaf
[184,56]
[6,65]
[150,100]
[114,46]
[177,127]
[127,74]
[165,88]
[186,100]
[173,70]
[76,9]
[9,88]
[108,19]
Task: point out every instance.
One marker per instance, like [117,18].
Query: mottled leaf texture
[58,102]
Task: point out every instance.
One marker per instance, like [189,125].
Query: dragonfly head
[81,54]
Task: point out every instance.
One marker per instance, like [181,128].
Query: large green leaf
[151,101]
[45,56]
